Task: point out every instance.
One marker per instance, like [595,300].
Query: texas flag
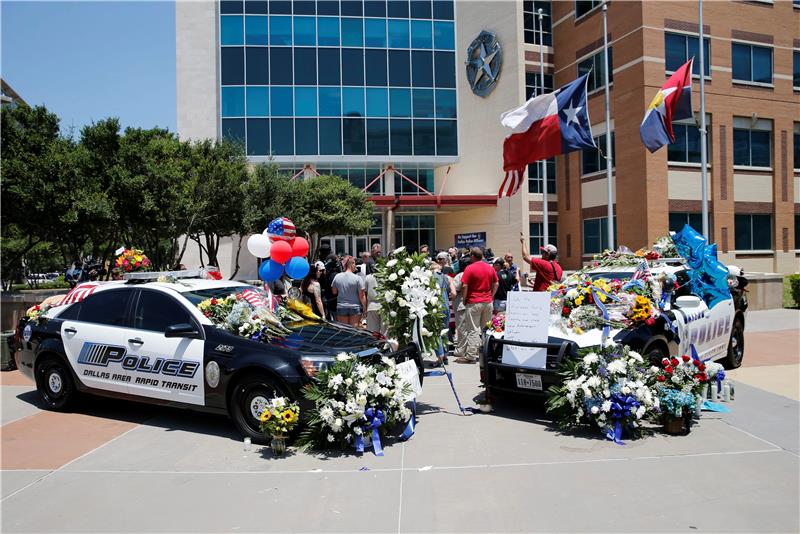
[547,125]
[672,103]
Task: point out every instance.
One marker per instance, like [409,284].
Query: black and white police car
[717,333]
[146,340]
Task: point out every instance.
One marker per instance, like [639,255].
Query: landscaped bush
[794,289]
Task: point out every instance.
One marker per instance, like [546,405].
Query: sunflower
[289,416]
[266,416]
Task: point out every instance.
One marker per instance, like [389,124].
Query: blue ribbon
[409,430]
[720,378]
[672,327]
[375,418]
[615,434]
[603,310]
[622,406]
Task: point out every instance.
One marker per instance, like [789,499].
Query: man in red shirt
[479,283]
[547,268]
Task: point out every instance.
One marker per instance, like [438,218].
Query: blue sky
[87,61]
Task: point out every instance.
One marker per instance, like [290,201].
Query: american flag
[78,293]
[511,183]
[281,228]
[642,272]
[258,298]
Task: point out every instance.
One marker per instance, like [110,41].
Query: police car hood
[590,338]
[327,338]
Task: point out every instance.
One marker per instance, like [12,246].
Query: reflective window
[305,66]
[257,137]
[257,101]
[796,70]
[533,86]
[353,141]
[446,138]
[327,7]
[375,8]
[328,28]
[752,148]
[593,159]
[305,32]
[282,137]
[424,137]
[352,66]
[282,7]
[686,148]
[330,136]
[329,66]
[582,7]
[353,8]
[375,63]
[421,34]
[233,130]
[375,32]
[232,65]
[377,102]
[305,7]
[280,66]
[422,103]
[535,178]
[537,235]
[397,8]
[421,69]
[753,231]
[594,65]
[281,102]
[377,136]
[305,136]
[231,30]
[752,63]
[255,7]
[445,104]
[230,6]
[255,30]
[595,235]
[106,307]
[399,68]
[257,65]
[305,102]
[444,37]
[678,48]
[400,102]
[443,9]
[400,136]
[352,32]
[677,220]
[280,30]
[353,101]
[330,101]
[156,311]
[530,17]
[445,69]
[233,101]
[420,9]
[398,33]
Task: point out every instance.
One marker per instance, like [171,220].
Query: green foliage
[556,403]
[793,281]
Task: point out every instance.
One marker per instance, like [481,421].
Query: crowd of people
[475,285]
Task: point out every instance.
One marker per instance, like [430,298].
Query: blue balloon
[270,270]
[297,267]
[708,276]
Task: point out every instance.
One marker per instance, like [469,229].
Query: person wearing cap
[312,290]
[505,284]
[547,269]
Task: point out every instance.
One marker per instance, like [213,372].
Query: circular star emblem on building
[484,59]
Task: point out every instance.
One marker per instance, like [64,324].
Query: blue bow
[720,378]
[603,310]
[412,421]
[622,407]
[375,418]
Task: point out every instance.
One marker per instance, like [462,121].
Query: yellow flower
[579,301]
[289,416]
[265,416]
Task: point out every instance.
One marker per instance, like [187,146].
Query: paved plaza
[115,466]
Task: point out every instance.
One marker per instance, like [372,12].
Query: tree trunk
[238,251]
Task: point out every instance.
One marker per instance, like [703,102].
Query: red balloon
[281,252]
[300,247]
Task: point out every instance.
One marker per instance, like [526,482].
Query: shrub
[794,289]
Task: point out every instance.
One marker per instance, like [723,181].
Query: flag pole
[609,155]
[543,173]
[703,133]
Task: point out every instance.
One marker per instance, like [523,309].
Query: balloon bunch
[708,276]
[286,252]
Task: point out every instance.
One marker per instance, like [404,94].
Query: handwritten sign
[410,372]
[527,319]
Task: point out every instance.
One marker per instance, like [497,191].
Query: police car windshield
[199,295]
[612,275]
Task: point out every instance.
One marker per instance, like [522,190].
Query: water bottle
[247,443]
[698,405]
[726,391]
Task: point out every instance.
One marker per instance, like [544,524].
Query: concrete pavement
[126,467]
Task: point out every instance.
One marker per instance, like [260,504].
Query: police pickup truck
[147,341]
[717,333]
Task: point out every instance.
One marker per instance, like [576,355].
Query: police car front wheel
[248,401]
[54,383]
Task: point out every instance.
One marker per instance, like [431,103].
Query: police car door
[95,338]
[167,368]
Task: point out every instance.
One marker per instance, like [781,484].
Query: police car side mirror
[181,330]
[688,301]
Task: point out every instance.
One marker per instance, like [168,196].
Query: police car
[146,340]
[717,333]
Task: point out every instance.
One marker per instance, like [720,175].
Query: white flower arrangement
[409,296]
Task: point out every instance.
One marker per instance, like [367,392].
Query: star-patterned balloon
[708,277]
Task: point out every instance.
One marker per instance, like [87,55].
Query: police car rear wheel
[55,385]
[249,399]
[736,346]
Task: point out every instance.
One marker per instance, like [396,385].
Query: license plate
[528,381]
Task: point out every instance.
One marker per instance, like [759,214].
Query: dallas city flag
[547,125]
[672,103]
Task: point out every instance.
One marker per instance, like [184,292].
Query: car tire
[249,397]
[735,346]
[654,354]
[55,385]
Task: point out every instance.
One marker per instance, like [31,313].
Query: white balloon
[259,245]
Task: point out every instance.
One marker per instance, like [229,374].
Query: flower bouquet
[277,420]
[680,381]
[610,388]
[132,260]
[410,299]
[497,325]
[235,314]
[354,403]
[36,312]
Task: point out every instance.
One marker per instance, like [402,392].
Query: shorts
[348,311]
[499,305]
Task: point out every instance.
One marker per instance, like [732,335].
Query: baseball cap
[549,248]
[320,265]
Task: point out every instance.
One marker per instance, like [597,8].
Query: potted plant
[679,381]
[278,420]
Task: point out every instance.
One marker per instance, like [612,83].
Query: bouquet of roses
[280,417]
[235,314]
[410,299]
[132,260]
[684,374]
[611,388]
[354,400]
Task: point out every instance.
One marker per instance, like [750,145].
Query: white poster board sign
[410,372]
[527,319]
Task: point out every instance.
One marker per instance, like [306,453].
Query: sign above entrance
[484,59]
[475,239]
